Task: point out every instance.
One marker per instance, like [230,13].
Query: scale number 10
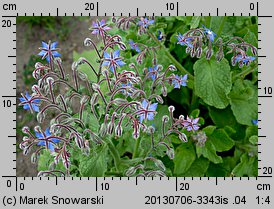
[7,103]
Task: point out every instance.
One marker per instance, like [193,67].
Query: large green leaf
[222,118]
[184,157]
[209,152]
[95,164]
[247,167]
[244,101]
[221,141]
[212,81]
[198,168]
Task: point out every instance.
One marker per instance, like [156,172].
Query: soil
[28,40]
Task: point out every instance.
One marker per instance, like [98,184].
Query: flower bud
[74,66]
[188,49]
[113,19]
[151,129]
[171,108]
[122,46]
[182,137]
[165,119]
[56,159]
[26,150]
[82,76]
[192,52]
[50,80]
[118,131]
[131,171]
[170,153]
[35,89]
[208,54]
[181,117]
[159,99]
[164,91]
[103,130]
[119,101]
[34,158]
[254,51]
[87,42]
[94,99]
[84,99]
[95,86]
[172,68]
[40,117]
[110,127]
[66,163]
[25,130]
[199,52]
[38,129]
[160,165]
[233,60]
[131,65]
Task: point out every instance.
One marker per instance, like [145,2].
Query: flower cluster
[195,39]
[124,103]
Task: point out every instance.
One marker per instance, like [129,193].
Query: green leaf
[90,56]
[251,38]
[44,160]
[221,141]
[218,116]
[209,152]
[216,170]
[212,81]
[253,140]
[247,167]
[198,168]
[184,157]
[195,113]
[94,165]
[209,130]
[244,101]
[195,22]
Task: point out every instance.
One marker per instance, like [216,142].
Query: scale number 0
[21,186]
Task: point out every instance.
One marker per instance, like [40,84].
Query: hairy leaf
[212,81]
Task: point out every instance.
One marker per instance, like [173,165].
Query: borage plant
[108,116]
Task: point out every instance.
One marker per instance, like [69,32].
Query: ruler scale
[164,192]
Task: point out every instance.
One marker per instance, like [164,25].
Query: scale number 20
[6,23]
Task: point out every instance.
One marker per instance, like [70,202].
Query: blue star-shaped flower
[153,72]
[179,81]
[128,86]
[44,142]
[244,59]
[145,22]
[160,35]
[191,124]
[134,46]
[211,35]
[48,50]
[149,110]
[99,27]
[27,104]
[182,40]
[113,60]
[255,122]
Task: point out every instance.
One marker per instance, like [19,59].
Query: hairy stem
[114,153]
[136,148]
[172,59]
